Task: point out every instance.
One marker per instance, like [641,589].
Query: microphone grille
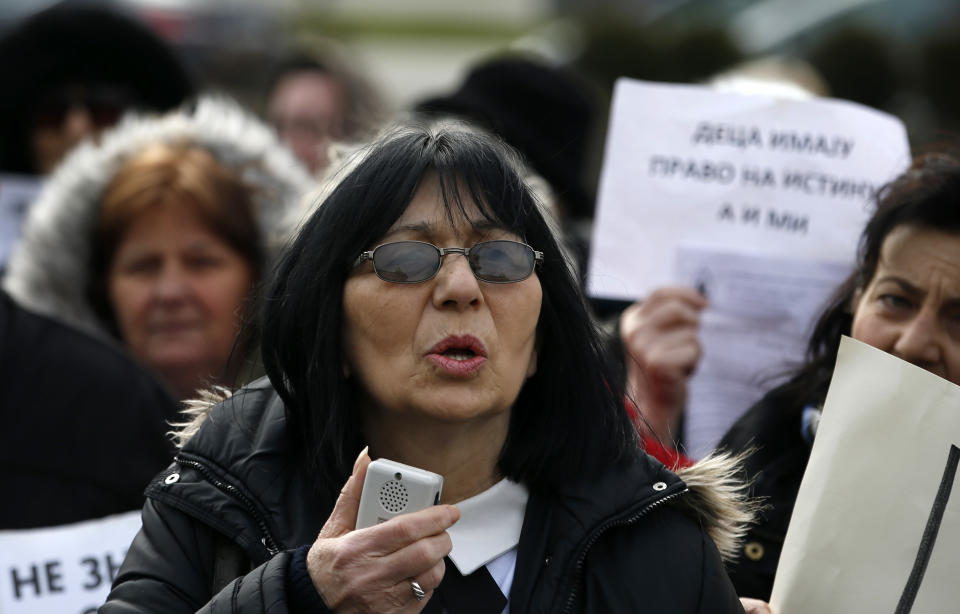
[393,496]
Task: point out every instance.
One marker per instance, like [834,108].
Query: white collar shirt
[488,532]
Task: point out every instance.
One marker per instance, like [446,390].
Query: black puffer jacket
[613,544]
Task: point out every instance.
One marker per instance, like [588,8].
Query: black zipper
[268,542]
[620,522]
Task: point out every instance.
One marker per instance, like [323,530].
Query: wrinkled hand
[662,345]
[755,606]
[369,570]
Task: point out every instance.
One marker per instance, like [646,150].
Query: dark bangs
[470,167]
[926,196]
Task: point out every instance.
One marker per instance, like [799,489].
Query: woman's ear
[345,368]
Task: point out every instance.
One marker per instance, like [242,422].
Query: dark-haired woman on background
[903,297]
[426,311]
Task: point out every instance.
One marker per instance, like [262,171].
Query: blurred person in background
[315,97]
[70,71]
[658,337]
[548,114]
[67,454]
[903,297]
[83,424]
[155,237]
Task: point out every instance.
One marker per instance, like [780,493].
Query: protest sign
[16,194]
[877,519]
[684,163]
[765,189]
[66,569]
[755,327]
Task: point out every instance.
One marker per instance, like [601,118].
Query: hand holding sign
[758,193]
[661,337]
[755,606]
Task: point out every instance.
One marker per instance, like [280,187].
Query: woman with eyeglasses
[426,315]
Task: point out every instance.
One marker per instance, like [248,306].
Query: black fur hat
[544,112]
[81,43]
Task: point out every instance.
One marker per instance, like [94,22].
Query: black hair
[568,419]
[926,196]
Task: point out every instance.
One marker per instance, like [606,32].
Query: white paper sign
[66,569]
[761,312]
[685,163]
[876,527]
[16,194]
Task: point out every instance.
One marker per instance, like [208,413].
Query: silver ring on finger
[418,591]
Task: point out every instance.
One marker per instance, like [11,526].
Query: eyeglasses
[411,262]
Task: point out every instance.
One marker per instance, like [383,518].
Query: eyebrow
[420,228]
[912,290]
[905,285]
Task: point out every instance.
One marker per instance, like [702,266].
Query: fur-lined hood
[718,496]
[49,270]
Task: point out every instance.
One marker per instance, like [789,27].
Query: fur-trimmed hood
[49,270]
[718,496]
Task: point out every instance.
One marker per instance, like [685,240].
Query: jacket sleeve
[664,563]
[169,568]
[717,593]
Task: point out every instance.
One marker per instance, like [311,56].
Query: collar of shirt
[489,525]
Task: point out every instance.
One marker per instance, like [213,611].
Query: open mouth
[460,354]
[460,347]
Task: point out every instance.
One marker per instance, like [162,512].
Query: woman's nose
[171,285]
[919,341]
[456,285]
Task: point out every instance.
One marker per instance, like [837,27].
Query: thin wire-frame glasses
[409,262]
